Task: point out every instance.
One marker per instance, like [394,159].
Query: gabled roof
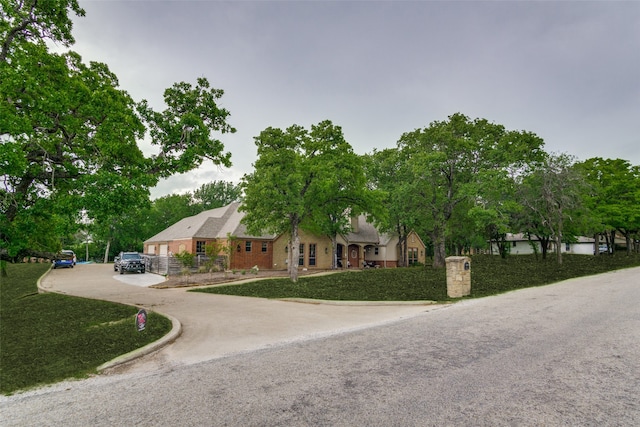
[366,233]
[220,222]
[385,238]
[212,224]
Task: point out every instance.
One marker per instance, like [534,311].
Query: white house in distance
[520,245]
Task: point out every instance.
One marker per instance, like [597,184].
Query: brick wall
[243,259]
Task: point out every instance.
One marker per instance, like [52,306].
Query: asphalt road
[560,355]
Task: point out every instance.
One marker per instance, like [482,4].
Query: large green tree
[342,194]
[295,180]
[183,131]
[69,134]
[387,172]
[69,142]
[447,162]
[551,193]
[494,209]
[614,198]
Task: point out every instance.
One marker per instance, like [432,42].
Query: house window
[247,246]
[200,246]
[376,251]
[301,258]
[567,247]
[312,254]
[514,244]
[413,256]
[264,246]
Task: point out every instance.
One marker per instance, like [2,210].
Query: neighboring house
[520,245]
[363,246]
[582,246]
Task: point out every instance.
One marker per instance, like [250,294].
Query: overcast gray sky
[567,71]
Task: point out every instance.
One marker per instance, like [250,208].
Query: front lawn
[490,275]
[45,338]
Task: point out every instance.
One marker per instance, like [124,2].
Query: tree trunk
[612,244]
[334,252]
[501,243]
[439,255]
[106,252]
[294,253]
[533,245]
[559,243]
[544,245]
[439,249]
[627,237]
[402,243]
[405,247]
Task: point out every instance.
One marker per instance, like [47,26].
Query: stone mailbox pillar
[458,276]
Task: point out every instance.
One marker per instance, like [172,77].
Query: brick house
[361,247]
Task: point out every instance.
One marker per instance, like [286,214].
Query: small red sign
[141,319]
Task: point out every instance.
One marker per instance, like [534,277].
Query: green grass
[490,275]
[45,338]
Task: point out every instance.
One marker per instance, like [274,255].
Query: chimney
[354,224]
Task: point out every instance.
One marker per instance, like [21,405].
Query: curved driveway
[217,325]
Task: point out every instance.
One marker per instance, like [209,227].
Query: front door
[354,256]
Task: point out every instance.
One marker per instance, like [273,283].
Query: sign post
[141,319]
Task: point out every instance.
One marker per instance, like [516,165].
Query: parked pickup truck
[129,261]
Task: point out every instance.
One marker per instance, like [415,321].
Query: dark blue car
[65,258]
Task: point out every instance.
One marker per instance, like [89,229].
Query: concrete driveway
[209,326]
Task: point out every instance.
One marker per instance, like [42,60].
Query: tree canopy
[33,21]
[550,193]
[449,161]
[301,178]
[69,135]
[613,198]
[216,194]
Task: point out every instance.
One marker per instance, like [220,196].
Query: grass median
[490,275]
[45,338]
